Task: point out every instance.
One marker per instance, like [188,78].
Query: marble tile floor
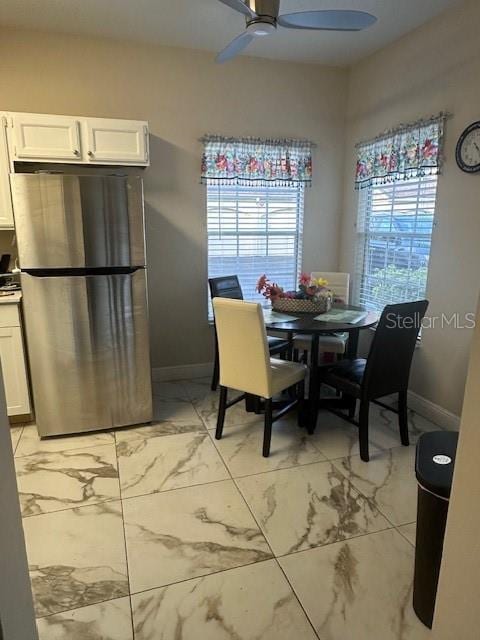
[160,532]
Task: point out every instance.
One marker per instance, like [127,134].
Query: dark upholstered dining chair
[385,371]
[229,287]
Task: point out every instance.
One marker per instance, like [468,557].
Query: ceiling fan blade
[240,6]
[328,20]
[235,47]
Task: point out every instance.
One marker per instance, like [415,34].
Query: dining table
[311,324]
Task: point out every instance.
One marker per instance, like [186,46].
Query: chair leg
[267,433]
[403,418]
[316,401]
[363,430]
[216,371]
[337,358]
[222,407]
[301,403]
[352,407]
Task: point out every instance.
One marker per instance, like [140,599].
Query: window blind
[254,230]
[394,232]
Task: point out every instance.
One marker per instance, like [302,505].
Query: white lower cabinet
[12,357]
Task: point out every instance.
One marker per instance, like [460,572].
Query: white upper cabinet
[36,137]
[6,209]
[46,137]
[116,141]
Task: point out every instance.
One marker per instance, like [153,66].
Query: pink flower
[305,279]
[275,292]
[384,160]
[221,163]
[262,283]
[429,149]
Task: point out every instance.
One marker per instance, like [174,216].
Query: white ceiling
[210,25]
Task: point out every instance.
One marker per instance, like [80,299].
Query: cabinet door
[117,141]
[45,137]
[14,372]
[6,209]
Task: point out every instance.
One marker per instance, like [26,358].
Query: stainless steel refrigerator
[82,256]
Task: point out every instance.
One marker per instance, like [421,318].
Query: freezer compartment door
[88,346]
[66,221]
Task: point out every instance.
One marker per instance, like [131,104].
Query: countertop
[13,299]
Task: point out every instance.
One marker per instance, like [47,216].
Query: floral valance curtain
[406,152]
[251,161]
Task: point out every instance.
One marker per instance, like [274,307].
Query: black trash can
[434,465]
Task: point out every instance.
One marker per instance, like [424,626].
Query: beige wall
[436,68]
[183,95]
[457,614]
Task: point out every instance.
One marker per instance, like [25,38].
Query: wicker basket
[288,305]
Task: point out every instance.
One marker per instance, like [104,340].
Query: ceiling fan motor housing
[265,21]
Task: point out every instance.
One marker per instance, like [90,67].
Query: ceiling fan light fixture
[261,28]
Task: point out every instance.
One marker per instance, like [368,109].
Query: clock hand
[477,147]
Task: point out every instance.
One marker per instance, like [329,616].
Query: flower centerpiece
[312,295]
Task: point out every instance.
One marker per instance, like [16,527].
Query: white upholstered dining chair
[336,343]
[246,365]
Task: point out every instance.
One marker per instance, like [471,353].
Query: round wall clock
[468,149]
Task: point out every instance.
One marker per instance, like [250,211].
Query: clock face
[468,149]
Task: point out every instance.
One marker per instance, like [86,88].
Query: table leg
[346,401]
[313,390]
[290,346]
[352,348]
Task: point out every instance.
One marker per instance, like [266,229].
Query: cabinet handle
[91,154]
[76,152]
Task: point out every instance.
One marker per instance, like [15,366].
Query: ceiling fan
[263,17]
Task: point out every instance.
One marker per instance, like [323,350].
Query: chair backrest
[242,346]
[338,282]
[225,287]
[391,352]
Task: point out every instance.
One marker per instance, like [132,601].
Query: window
[254,230]
[395,224]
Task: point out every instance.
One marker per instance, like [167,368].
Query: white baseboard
[433,412]
[429,410]
[182,372]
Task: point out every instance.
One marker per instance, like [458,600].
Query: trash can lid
[435,461]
